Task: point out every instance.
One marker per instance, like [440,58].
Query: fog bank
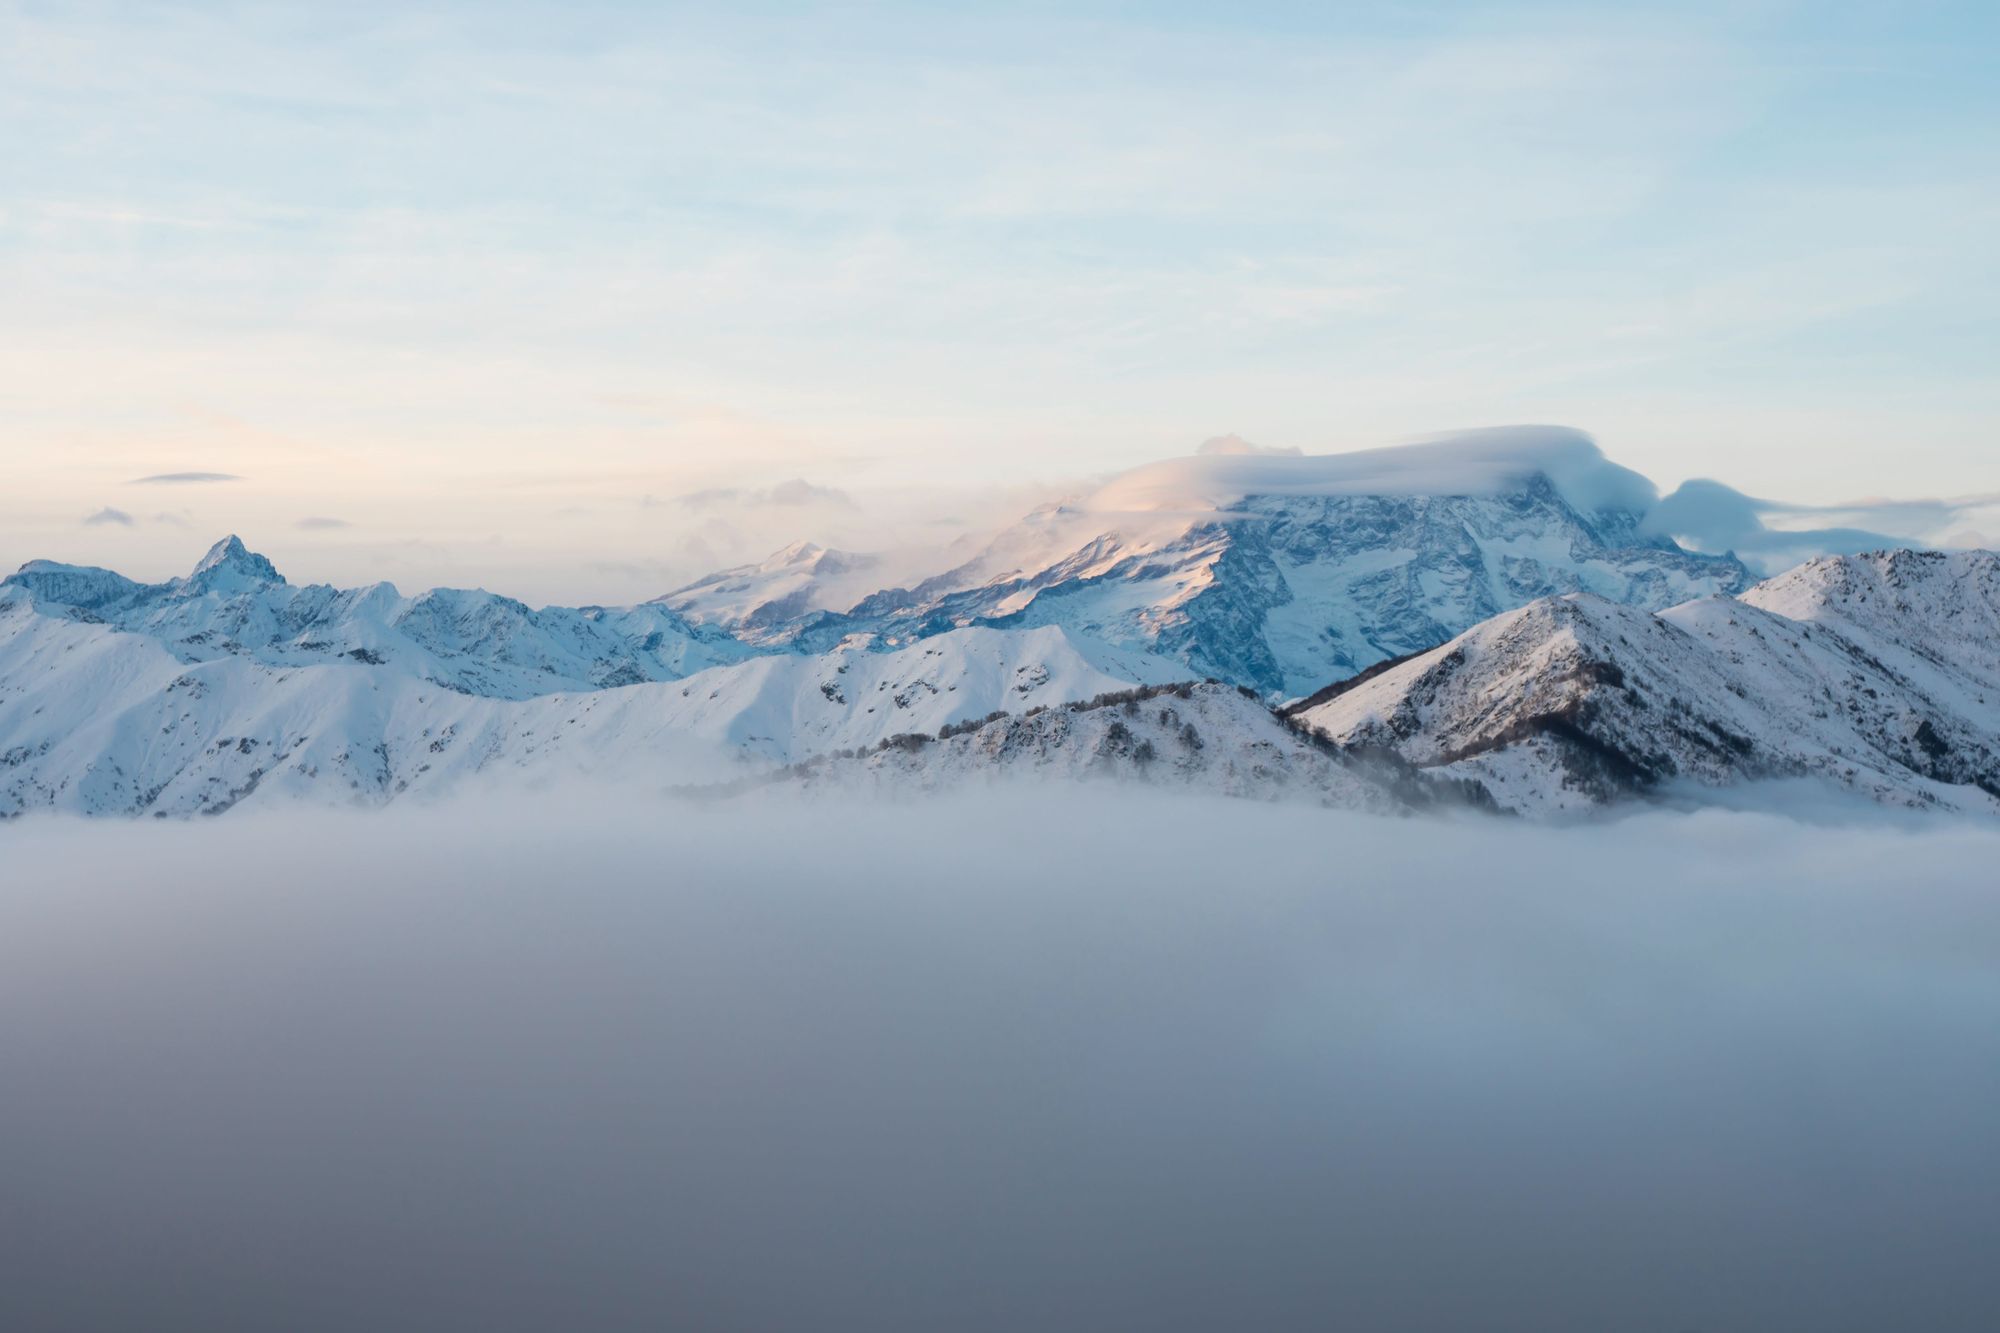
[1083,1060]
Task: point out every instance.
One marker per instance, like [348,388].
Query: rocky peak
[230,566]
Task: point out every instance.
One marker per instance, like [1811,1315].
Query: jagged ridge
[1882,676]
[236,604]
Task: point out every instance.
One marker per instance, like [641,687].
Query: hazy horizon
[918,531]
[574,301]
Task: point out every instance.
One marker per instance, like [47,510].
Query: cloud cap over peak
[1236,445]
[1471,462]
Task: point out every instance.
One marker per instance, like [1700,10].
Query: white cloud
[1773,535]
[795,493]
[1226,445]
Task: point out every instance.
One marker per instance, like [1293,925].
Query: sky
[580,300]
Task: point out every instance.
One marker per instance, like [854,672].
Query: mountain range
[1879,673]
[235,604]
[1280,572]
[1498,619]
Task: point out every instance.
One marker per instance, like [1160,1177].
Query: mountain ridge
[1576,702]
[96,720]
[236,603]
[1326,566]
[1498,611]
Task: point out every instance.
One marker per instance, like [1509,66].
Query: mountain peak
[798,553]
[232,566]
[1953,592]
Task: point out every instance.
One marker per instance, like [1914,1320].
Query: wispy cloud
[318,524]
[795,493]
[108,516]
[184,478]
[128,217]
[1225,445]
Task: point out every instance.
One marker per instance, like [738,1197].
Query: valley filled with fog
[1061,1057]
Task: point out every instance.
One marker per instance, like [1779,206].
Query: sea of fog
[1077,1061]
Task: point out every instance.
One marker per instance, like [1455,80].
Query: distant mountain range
[236,605]
[1493,620]
[1276,572]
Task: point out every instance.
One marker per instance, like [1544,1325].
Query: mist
[1061,1060]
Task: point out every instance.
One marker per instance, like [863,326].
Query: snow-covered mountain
[758,601]
[777,709]
[1593,656]
[1279,572]
[236,604]
[1211,738]
[101,720]
[1879,673]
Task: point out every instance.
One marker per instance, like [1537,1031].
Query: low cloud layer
[763,1065]
[108,517]
[184,478]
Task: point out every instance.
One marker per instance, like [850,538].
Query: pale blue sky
[492,284]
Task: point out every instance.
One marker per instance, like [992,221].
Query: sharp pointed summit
[231,566]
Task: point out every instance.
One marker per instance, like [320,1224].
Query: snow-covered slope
[1204,737]
[1282,572]
[1880,673]
[1930,617]
[782,708]
[235,604]
[756,600]
[99,720]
